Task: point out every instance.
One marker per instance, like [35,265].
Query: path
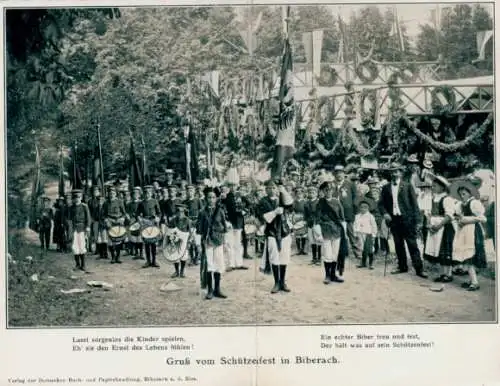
[365,297]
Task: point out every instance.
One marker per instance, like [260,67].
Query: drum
[151,234]
[117,234]
[175,245]
[300,228]
[261,232]
[250,230]
[135,229]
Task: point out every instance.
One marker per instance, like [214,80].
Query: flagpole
[100,153]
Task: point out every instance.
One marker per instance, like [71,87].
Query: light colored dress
[468,245]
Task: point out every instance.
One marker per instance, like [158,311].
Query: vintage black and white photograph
[250,165]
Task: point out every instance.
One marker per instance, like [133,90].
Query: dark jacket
[212,225]
[330,215]
[347,194]
[234,211]
[279,227]
[407,201]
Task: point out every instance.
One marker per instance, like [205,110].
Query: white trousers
[277,257]
[330,250]
[228,250]
[215,259]
[79,246]
[236,257]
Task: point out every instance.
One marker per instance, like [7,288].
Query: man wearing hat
[399,206]
[169,175]
[80,220]
[274,210]
[115,214]
[44,223]
[347,195]
[149,210]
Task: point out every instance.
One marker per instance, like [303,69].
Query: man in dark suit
[347,195]
[398,204]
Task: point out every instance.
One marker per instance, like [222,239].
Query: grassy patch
[40,303]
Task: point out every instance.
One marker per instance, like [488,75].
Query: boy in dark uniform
[67,226]
[309,217]
[44,223]
[58,233]
[299,206]
[93,204]
[149,210]
[131,209]
[101,240]
[114,213]
[212,227]
[79,218]
[171,205]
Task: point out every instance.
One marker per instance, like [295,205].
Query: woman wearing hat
[440,231]
[330,217]
[468,246]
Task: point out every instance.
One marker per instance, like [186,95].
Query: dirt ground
[365,297]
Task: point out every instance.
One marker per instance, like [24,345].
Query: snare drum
[151,234]
[117,234]
[300,228]
[250,230]
[135,229]
[260,234]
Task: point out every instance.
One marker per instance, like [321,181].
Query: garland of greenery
[450,147]
[439,107]
[372,69]
[360,148]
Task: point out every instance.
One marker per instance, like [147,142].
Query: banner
[285,136]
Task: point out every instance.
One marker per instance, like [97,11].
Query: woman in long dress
[468,246]
[440,231]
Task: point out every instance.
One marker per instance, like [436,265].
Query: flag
[396,30]
[285,136]
[341,57]
[96,168]
[482,39]
[36,191]
[61,173]
[75,172]
[135,170]
[192,155]
[146,178]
